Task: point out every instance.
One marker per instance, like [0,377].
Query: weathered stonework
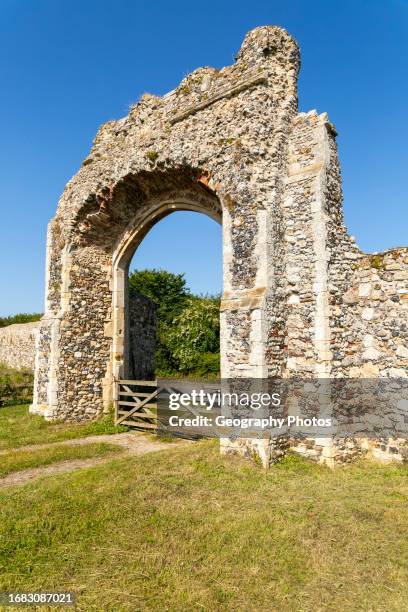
[17,345]
[231,144]
[142,337]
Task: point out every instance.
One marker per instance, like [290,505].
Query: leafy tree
[167,290]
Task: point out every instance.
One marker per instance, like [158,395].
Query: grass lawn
[14,461]
[19,428]
[185,529]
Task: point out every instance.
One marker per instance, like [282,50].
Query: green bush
[208,364]
[16,386]
[194,332]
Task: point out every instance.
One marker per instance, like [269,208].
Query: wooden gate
[136,403]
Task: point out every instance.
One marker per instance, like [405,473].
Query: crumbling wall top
[267,42]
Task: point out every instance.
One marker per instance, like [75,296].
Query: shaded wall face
[141,338]
[83,344]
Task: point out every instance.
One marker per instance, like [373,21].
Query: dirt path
[133,441]
[133,444]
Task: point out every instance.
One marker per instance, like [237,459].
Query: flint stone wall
[374,317]
[17,344]
[142,336]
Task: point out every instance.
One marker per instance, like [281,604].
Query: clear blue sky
[69,65]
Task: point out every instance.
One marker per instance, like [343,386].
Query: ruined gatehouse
[299,296]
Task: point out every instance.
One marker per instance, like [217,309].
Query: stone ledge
[249,80]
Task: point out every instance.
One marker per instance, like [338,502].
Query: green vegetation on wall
[16,386]
[188,334]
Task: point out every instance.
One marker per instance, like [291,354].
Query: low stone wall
[17,345]
[17,342]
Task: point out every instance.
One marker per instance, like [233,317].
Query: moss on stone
[152,156]
[377,262]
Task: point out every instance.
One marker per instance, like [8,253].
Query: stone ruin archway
[194,198]
[229,143]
